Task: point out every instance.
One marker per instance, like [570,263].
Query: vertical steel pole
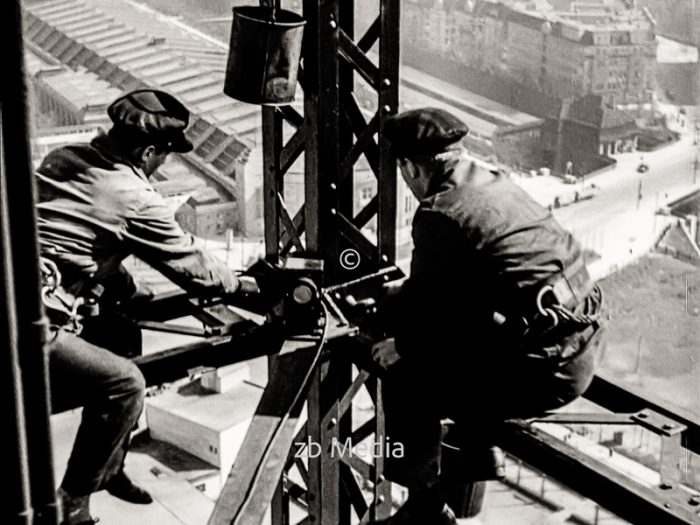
[272,181]
[272,178]
[15,450]
[31,324]
[346,76]
[324,469]
[321,108]
[382,504]
[389,44]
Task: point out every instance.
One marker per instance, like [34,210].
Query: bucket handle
[273,10]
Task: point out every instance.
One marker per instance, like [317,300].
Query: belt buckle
[573,285]
[563,292]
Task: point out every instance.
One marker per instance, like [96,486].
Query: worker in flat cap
[498,319]
[95,208]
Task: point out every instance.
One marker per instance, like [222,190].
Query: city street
[621,223]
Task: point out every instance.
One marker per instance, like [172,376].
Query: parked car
[572,196]
[642,168]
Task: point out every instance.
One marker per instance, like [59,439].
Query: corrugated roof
[134,45]
[34,63]
[213,103]
[203,94]
[206,195]
[80,90]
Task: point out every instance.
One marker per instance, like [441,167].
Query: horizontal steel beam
[170,365]
[593,479]
[612,395]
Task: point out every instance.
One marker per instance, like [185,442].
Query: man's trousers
[111,391]
[478,390]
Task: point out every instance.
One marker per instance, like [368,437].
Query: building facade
[104,48]
[591,49]
[205,215]
[677,19]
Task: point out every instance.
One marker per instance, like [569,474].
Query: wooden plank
[256,473]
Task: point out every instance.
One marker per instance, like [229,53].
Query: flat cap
[154,115]
[425,131]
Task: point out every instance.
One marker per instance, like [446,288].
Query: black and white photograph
[350,262]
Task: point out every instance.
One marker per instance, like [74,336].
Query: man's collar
[440,178]
[466,170]
[110,149]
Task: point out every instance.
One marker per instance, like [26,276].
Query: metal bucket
[264,55]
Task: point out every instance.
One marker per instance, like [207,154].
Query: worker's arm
[153,235]
[427,297]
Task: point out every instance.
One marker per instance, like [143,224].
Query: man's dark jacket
[481,244]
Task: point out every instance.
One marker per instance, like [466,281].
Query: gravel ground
[653,337]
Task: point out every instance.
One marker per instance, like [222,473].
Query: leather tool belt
[62,308]
[553,315]
[568,287]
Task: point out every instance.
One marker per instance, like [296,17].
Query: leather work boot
[120,486]
[477,465]
[411,515]
[76,509]
[489,465]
